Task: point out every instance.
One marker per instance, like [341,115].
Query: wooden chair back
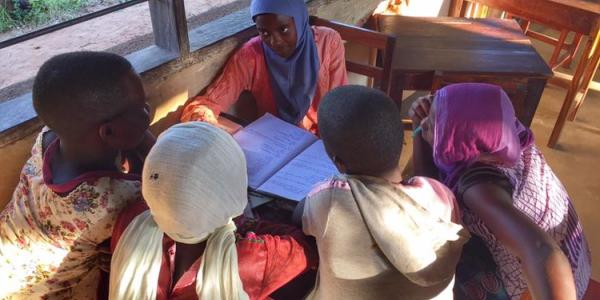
[383,43]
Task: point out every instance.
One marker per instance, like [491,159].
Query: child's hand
[419,110]
[204,114]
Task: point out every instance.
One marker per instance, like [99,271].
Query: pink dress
[49,233]
[246,70]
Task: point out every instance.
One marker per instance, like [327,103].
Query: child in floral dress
[72,188]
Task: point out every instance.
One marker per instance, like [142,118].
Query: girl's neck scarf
[293,79]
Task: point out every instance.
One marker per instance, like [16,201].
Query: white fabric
[214,280]
[421,245]
[378,240]
[135,264]
[194,181]
[194,170]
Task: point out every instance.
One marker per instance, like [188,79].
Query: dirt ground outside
[121,32]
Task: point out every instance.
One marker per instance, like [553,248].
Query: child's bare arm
[545,266]
[422,159]
[222,93]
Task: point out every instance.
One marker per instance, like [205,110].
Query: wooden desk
[432,52]
[581,17]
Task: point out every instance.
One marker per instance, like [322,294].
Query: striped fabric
[541,196]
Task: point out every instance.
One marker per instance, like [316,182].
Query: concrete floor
[575,159]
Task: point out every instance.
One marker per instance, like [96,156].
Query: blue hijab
[294,80]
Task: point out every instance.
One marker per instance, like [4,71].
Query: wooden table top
[489,46]
[588,5]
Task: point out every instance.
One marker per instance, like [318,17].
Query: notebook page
[268,144]
[295,180]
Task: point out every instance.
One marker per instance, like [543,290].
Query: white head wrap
[194,181]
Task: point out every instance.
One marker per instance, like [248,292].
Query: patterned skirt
[477,275]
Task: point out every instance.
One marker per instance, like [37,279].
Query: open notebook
[283,160]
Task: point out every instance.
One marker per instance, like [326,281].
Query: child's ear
[122,134]
[106,132]
[110,135]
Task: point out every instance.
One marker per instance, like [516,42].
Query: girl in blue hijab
[294,70]
[287,69]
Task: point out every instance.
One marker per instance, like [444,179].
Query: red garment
[266,262]
[247,70]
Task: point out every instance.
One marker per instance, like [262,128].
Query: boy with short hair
[72,188]
[378,236]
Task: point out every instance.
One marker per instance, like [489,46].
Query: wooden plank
[572,92]
[423,43]
[356,34]
[212,32]
[451,28]
[169,25]
[543,37]
[18,119]
[16,111]
[460,45]
[363,69]
[588,5]
[574,15]
[380,42]
[163,24]
[496,61]
[456,7]
[410,80]
[559,45]
[181,27]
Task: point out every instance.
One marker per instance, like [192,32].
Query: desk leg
[456,8]
[535,89]
[396,93]
[562,117]
[592,68]
[574,89]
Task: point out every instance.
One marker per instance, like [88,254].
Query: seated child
[527,239]
[71,189]
[378,236]
[287,68]
[185,245]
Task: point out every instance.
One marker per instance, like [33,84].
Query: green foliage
[44,11]
[6,22]
[40,13]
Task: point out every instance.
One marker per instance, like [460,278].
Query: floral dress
[49,233]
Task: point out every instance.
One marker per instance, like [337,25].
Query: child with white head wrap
[195,182]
